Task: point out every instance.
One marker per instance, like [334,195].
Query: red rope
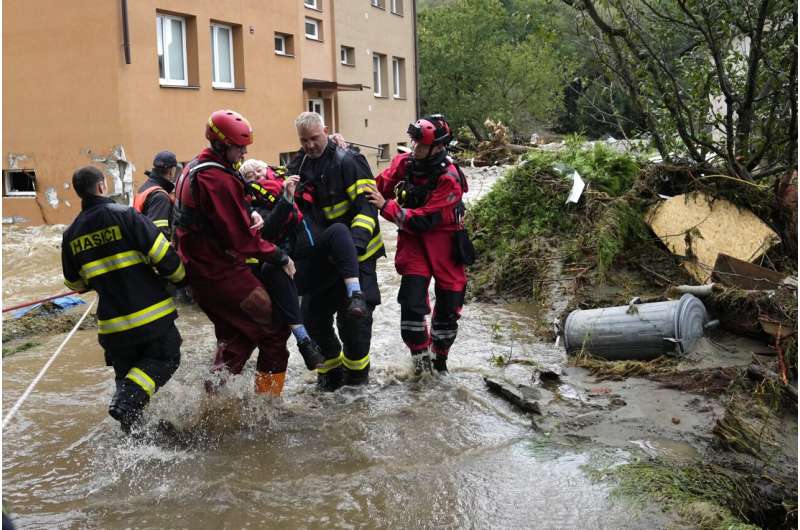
[26,304]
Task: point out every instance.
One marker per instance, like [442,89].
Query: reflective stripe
[178,275]
[251,261]
[159,249]
[111,263]
[330,364]
[359,364]
[358,187]
[78,285]
[443,334]
[337,210]
[139,318]
[161,223]
[143,380]
[364,221]
[412,325]
[374,245]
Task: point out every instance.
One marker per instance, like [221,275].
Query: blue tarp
[61,303]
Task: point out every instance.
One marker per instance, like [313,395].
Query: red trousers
[241,312]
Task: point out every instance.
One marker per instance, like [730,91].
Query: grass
[22,347]
[605,370]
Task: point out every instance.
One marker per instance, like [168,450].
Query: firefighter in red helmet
[421,193]
[216,232]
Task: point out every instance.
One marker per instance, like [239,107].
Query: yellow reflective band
[161,223]
[359,364]
[139,318]
[374,245]
[159,249]
[111,263]
[251,261]
[337,210]
[178,275]
[330,364]
[214,128]
[364,221]
[360,186]
[143,380]
[77,285]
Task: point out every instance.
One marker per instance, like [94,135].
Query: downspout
[416,58]
[126,40]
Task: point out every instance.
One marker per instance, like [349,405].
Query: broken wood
[521,396]
[745,275]
[760,373]
[698,290]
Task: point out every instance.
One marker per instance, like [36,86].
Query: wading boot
[270,383]
[311,353]
[355,377]
[422,363]
[330,380]
[357,307]
[440,363]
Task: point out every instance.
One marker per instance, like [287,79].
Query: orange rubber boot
[268,383]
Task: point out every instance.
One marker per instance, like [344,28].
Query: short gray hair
[308,119]
[250,165]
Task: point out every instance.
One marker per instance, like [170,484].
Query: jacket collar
[94,201]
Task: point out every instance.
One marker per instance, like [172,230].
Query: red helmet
[430,130]
[230,128]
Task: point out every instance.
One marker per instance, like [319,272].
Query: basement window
[384,154]
[19,183]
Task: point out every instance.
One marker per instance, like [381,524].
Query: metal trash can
[637,331]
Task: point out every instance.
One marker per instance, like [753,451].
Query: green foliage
[494,59]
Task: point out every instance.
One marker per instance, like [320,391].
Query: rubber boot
[270,383]
[311,353]
[422,362]
[127,404]
[330,380]
[355,377]
[440,363]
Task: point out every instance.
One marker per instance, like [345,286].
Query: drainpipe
[126,40]
[416,58]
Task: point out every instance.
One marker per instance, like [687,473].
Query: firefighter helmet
[230,128]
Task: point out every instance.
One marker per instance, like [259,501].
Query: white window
[19,183]
[222,56]
[171,44]
[348,56]
[315,105]
[280,44]
[311,3]
[396,73]
[312,29]
[397,7]
[379,3]
[376,74]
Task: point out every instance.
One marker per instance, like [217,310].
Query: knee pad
[413,294]
[127,404]
[448,304]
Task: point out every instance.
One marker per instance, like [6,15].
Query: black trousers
[334,247]
[283,293]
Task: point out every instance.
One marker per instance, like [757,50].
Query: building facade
[112,83]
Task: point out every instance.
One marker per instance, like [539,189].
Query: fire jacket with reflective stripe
[440,211]
[279,214]
[332,190]
[155,202]
[120,253]
[219,251]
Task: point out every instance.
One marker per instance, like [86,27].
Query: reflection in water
[436,453]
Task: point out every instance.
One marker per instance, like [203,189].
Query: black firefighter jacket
[113,249]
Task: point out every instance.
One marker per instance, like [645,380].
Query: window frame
[377,76]
[215,65]
[352,54]
[167,81]
[317,24]
[8,192]
[393,7]
[313,5]
[380,4]
[282,38]
[384,154]
[397,86]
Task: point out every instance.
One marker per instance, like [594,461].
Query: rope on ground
[28,390]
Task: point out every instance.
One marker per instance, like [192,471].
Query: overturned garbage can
[637,331]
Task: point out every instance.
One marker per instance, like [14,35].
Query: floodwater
[441,452]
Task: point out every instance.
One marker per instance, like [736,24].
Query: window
[315,105]
[379,3]
[19,183]
[313,29]
[313,4]
[397,7]
[383,153]
[398,77]
[285,158]
[284,44]
[171,45]
[348,56]
[379,74]
[402,147]
[222,56]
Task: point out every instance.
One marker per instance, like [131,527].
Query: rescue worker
[273,198]
[424,190]
[154,198]
[216,232]
[116,251]
[336,214]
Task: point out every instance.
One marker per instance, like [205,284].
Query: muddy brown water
[400,453]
